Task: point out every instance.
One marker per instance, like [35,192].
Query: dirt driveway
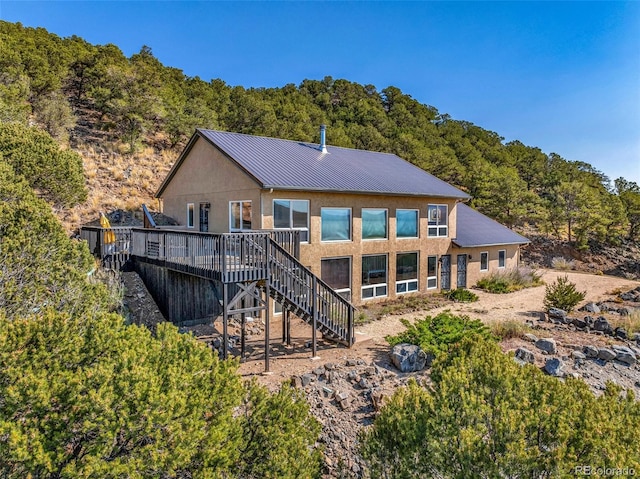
[371,345]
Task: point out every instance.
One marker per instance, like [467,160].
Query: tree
[485,416]
[562,294]
[91,397]
[629,194]
[40,266]
[56,173]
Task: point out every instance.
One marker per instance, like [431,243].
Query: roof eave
[487,245]
[360,192]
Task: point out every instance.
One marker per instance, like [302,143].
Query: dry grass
[631,323]
[562,264]
[509,329]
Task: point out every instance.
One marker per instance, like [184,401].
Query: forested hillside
[130,116]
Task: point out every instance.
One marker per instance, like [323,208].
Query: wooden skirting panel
[184,299]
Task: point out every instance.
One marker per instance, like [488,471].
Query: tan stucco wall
[207,176]
[312,253]
[473,264]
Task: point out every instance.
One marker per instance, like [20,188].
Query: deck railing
[111,245]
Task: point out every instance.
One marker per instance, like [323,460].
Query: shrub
[507,281]
[508,329]
[91,397]
[461,295]
[562,264]
[436,334]
[562,294]
[485,416]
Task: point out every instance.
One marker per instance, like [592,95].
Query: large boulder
[409,358]
[547,345]
[606,354]
[523,355]
[591,308]
[625,355]
[557,315]
[554,367]
[601,324]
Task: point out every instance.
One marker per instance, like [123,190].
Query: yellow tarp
[109,235]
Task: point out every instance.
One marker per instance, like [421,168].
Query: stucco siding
[208,176]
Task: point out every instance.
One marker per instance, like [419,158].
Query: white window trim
[386,225]
[409,281]
[438,235]
[277,313]
[191,208]
[377,285]
[487,268]
[242,202]
[504,252]
[432,277]
[273,208]
[417,224]
[350,224]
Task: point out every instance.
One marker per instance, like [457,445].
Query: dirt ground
[286,361]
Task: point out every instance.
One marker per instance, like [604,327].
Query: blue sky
[562,76]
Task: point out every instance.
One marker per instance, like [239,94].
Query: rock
[578,355]
[558,314]
[547,344]
[554,367]
[591,308]
[296,382]
[307,379]
[523,355]
[377,398]
[624,311]
[625,355]
[531,337]
[606,354]
[408,358]
[580,323]
[601,324]
[630,296]
[620,333]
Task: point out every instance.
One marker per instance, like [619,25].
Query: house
[371,224]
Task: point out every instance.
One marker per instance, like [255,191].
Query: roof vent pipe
[323,138]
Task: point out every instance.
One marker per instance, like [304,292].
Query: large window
[484,261]
[374,223]
[190,215]
[336,224]
[406,272]
[336,272]
[292,214]
[406,223]
[374,276]
[502,258]
[438,215]
[239,215]
[432,272]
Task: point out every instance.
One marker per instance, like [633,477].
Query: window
[277,308]
[190,215]
[292,214]
[374,276]
[502,258]
[374,224]
[438,215]
[406,272]
[239,215]
[336,224]
[484,261]
[336,272]
[432,272]
[406,223]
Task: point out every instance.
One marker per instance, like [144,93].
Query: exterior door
[462,271]
[204,216]
[445,272]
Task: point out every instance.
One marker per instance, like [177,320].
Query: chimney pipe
[323,138]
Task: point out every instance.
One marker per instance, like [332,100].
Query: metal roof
[475,229]
[296,165]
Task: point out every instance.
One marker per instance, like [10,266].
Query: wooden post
[267,293]
[225,320]
[243,332]
[314,309]
[288,326]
